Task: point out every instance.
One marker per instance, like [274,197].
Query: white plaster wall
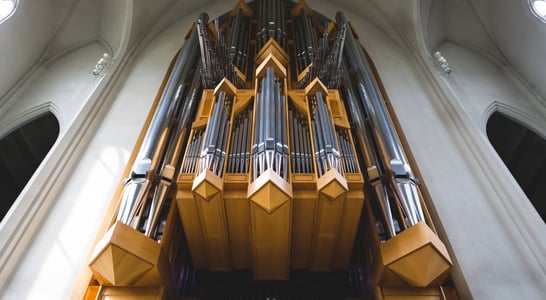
[489,208]
[519,36]
[62,86]
[63,243]
[22,42]
[64,83]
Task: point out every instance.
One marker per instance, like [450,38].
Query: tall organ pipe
[363,137]
[214,147]
[270,147]
[145,168]
[272,19]
[326,148]
[391,153]
[171,162]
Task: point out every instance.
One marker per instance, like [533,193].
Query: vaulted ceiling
[503,30]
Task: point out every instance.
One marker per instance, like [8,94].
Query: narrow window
[21,152]
[524,153]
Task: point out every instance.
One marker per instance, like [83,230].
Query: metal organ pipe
[170,163]
[152,152]
[272,20]
[238,40]
[326,61]
[392,157]
[217,60]
[326,148]
[193,153]
[300,142]
[370,154]
[347,154]
[238,153]
[208,73]
[306,41]
[213,152]
[270,147]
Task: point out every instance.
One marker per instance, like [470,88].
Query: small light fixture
[441,64]
[102,65]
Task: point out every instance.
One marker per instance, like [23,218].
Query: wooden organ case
[270,150]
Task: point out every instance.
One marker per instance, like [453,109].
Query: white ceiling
[41,29]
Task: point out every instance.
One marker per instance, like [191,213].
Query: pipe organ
[271,150]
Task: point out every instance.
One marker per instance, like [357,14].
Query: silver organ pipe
[151,162]
[238,36]
[193,152]
[171,162]
[213,152]
[347,154]
[324,135]
[208,55]
[394,164]
[370,154]
[272,20]
[326,60]
[270,145]
[216,60]
[306,42]
[300,142]
[239,148]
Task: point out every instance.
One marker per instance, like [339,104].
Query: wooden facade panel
[303,224]
[213,223]
[347,228]
[238,220]
[192,228]
[327,226]
[271,241]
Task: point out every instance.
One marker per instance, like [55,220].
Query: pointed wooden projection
[124,256]
[226,86]
[247,11]
[417,256]
[271,61]
[271,47]
[299,6]
[316,86]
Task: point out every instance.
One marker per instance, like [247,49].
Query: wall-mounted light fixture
[102,65]
[441,65]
